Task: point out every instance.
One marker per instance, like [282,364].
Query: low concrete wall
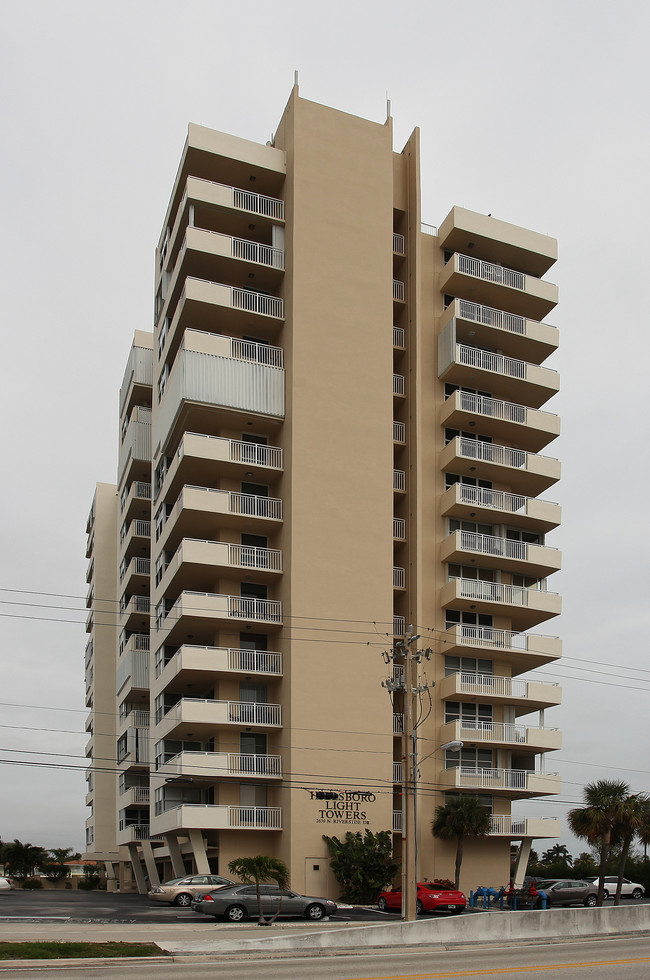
[477,927]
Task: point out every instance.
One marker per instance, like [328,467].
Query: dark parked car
[237,902]
[431,898]
[567,891]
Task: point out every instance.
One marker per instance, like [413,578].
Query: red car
[431,898]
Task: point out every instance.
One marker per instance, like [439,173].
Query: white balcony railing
[250,350]
[489,544]
[502,824]
[255,454]
[397,772]
[397,821]
[247,556]
[492,685]
[266,610]
[398,336]
[255,817]
[251,505]
[488,731]
[252,302]
[491,317]
[254,765]
[399,528]
[493,407]
[399,625]
[242,248]
[398,723]
[511,503]
[514,595]
[487,361]
[399,290]
[491,272]
[255,661]
[428,229]
[398,244]
[269,207]
[492,778]
[399,480]
[399,578]
[489,452]
[254,713]
[486,636]
[141,491]
[140,529]
[398,384]
[399,432]
[136,566]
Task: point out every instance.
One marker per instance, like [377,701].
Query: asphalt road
[622,959]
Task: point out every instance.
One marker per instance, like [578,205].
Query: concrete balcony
[202,717]
[135,501]
[500,735]
[495,285]
[399,577]
[197,665]
[399,529]
[498,241]
[398,723]
[490,551]
[504,782]
[491,329]
[228,257]
[134,613]
[222,765]
[524,608]
[519,651]
[399,338]
[136,445]
[135,536]
[200,459]
[201,612]
[399,481]
[191,816]
[504,377]
[501,420]
[525,473]
[399,245]
[134,574]
[399,432]
[201,509]
[194,558]
[516,828]
[133,796]
[134,833]
[526,696]
[489,506]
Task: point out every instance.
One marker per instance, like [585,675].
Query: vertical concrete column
[175,854]
[138,873]
[522,862]
[200,853]
[111,877]
[152,871]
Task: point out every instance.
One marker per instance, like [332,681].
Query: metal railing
[254,765]
[398,723]
[492,778]
[255,661]
[489,544]
[255,817]
[136,718]
[491,317]
[501,824]
[492,684]
[398,384]
[136,566]
[399,578]
[251,505]
[399,625]
[494,407]
[397,821]
[494,639]
[511,503]
[254,713]
[398,244]
[470,588]
[398,336]
[250,350]
[487,731]
[491,272]
[399,290]
[399,528]
[399,432]
[254,454]
[135,603]
[243,607]
[399,480]
[489,452]
[252,302]
[139,831]
[141,491]
[269,207]
[429,229]
[242,248]
[487,361]
[248,556]
[397,772]
[137,641]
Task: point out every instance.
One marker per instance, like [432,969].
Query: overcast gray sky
[536,112]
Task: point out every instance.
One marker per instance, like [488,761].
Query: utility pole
[403,650]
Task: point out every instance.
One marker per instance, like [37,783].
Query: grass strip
[57,951]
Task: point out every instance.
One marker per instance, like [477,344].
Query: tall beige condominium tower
[335,433]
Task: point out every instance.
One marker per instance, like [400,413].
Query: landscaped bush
[32,883]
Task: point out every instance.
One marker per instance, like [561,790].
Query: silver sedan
[237,902]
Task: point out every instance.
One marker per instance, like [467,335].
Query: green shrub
[32,883]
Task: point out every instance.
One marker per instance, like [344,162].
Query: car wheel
[235,913]
[184,900]
[605,894]
[590,901]
[637,893]
[419,907]
[314,912]
[382,904]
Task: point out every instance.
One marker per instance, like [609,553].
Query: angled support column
[152,871]
[522,862]
[175,854]
[136,864]
[199,851]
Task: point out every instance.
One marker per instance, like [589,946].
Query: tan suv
[181,891]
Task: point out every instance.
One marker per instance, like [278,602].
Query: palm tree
[635,817]
[461,817]
[21,860]
[559,852]
[254,871]
[600,816]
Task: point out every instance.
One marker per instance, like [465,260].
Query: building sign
[348,807]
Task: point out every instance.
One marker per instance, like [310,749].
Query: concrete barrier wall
[476,927]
